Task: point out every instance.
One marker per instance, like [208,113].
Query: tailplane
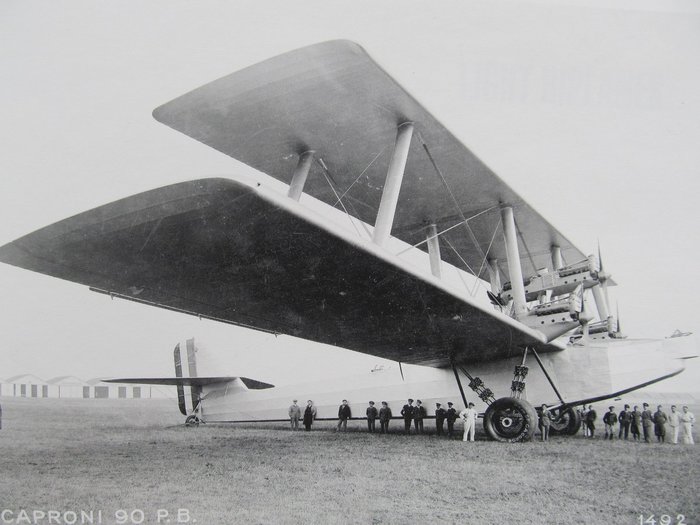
[189,384]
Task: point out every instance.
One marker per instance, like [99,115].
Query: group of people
[416,413]
[642,424]
[411,414]
[639,424]
[308,418]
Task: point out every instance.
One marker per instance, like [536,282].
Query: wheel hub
[510,419]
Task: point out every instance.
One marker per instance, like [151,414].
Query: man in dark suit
[625,419]
[636,425]
[591,416]
[610,420]
[343,415]
[647,422]
[451,418]
[440,414]
[418,414]
[660,419]
[407,413]
[384,417]
[372,414]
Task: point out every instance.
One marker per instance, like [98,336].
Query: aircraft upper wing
[239,254]
[334,99]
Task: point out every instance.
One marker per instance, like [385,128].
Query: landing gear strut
[509,419]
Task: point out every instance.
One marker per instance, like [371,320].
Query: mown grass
[134,454]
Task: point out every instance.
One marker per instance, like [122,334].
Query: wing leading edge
[222,249]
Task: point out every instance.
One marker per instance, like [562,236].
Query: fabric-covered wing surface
[334,99]
[222,249]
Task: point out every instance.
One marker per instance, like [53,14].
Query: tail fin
[187,403]
[180,386]
[195,390]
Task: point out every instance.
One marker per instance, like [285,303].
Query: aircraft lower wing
[252,384]
[222,249]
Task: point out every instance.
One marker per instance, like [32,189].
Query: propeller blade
[619,325]
[604,285]
[603,278]
[585,329]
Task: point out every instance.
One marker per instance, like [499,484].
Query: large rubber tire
[510,420]
[566,423]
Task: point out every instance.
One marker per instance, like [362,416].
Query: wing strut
[546,374]
[392,185]
[556,257]
[434,251]
[459,384]
[600,302]
[513,256]
[296,187]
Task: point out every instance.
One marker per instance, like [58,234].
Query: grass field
[134,454]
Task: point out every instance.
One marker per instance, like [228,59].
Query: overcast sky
[591,112]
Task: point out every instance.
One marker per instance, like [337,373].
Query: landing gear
[510,420]
[192,421]
[565,422]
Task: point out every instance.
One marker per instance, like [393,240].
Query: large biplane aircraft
[337,129]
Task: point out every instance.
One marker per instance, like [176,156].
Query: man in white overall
[674,420]
[687,420]
[468,415]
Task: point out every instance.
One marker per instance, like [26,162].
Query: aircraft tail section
[187,381]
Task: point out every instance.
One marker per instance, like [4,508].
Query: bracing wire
[484,261]
[326,175]
[431,237]
[458,255]
[360,175]
[452,196]
[527,250]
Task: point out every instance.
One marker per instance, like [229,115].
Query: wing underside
[221,249]
[334,99]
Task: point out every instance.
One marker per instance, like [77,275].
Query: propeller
[584,318]
[603,278]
